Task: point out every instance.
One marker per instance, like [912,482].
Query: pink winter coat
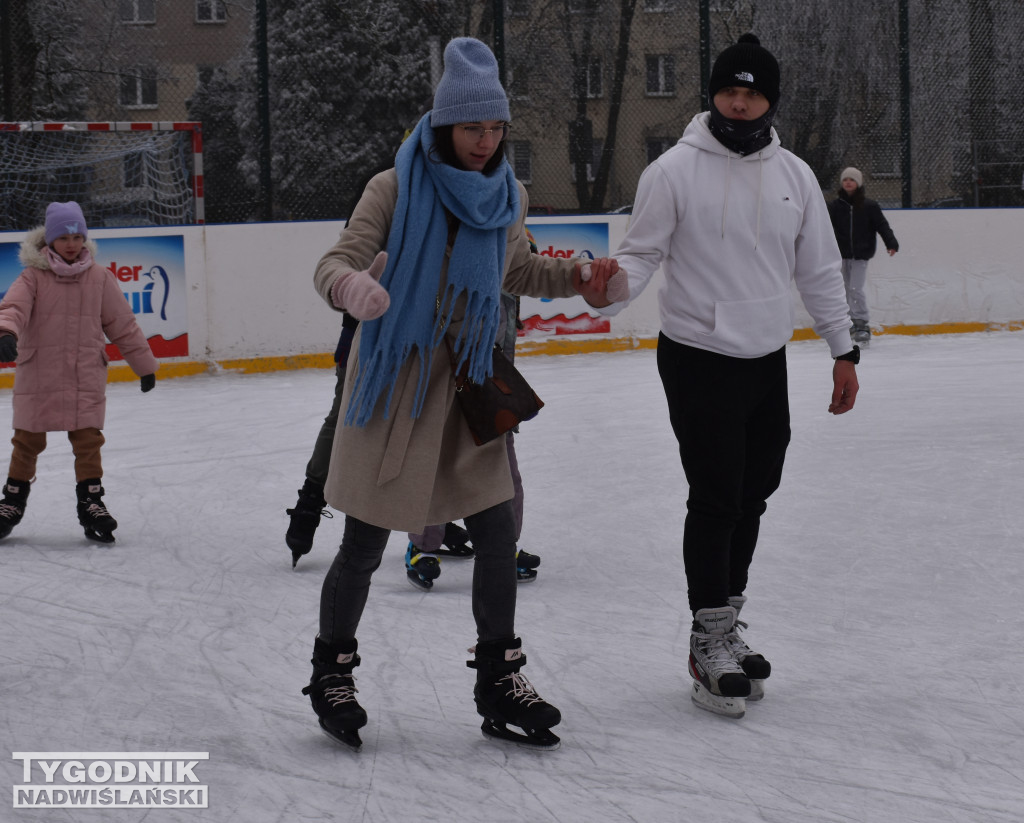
[60,381]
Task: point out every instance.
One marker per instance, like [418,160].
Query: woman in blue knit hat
[422,262]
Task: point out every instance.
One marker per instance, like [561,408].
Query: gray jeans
[347,584]
[855,276]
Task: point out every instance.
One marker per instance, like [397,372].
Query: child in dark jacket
[856,220]
[53,321]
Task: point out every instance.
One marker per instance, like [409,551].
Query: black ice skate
[332,691]
[505,697]
[526,566]
[421,569]
[12,507]
[455,542]
[305,517]
[719,683]
[754,665]
[92,514]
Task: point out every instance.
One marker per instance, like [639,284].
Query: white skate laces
[521,689]
[739,648]
[716,654]
[344,693]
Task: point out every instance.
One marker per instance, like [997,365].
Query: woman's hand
[360,294]
[601,282]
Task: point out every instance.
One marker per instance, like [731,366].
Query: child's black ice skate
[421,569]
[505,697]
[92,514]
[526,566]
[332,691]
[455,542]
[12,507]
[305,518]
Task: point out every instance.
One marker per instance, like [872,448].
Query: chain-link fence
[300,100]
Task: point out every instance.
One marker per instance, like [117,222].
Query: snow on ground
[885,592]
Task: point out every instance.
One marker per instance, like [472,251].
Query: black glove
[8,348]
[147,381]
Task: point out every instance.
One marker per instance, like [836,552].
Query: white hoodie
[730,232]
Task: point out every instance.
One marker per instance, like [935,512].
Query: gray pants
[347,584]
[855,276]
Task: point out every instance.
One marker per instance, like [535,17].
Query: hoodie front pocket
[750,328]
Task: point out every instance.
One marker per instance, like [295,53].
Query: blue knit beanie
[64,218]
[470,90]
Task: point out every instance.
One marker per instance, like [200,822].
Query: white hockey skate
[719,682]
[754,665]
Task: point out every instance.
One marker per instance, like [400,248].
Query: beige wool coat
[403,473]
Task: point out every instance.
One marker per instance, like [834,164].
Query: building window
[519,155]
[138,91]
[657,146]
[661,75]
[137,11]
[595,161]
[594,88]
[211,11]
[661,5]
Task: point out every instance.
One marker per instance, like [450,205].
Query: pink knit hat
[64,218]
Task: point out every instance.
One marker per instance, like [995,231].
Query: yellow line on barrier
[559,345]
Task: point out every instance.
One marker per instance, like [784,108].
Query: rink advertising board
[150,271]
[542,316]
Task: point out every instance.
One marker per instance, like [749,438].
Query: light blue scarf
[485,206]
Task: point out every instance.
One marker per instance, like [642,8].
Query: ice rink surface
[886,592]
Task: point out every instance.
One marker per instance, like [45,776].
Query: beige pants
[85,443]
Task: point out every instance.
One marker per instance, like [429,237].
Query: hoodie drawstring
[760,190]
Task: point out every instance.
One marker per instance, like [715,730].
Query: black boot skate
[332,691]
[92,514]
[526,566]
[421,569]
[305,518]
[455,542]
[12,507]
[504,696]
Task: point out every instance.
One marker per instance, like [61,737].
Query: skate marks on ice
[894,528]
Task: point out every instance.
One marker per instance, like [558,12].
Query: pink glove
[360,294]
[617,288]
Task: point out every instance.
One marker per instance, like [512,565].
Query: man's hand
[601,282]
[844,387]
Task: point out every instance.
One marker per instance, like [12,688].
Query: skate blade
[455,552]
[418,582]
[526,575]
[99,537]
[537,739]
[350,739]
[734,707]
[756,691]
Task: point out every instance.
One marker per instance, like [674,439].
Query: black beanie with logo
[747,63]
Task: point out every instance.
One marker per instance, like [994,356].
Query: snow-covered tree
[347,80]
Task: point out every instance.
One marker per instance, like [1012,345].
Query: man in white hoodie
[732,218]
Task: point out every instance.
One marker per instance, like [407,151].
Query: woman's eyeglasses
[476,133]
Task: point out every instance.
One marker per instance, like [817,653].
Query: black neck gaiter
[742,136]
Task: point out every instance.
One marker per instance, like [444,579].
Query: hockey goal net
[122,174]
